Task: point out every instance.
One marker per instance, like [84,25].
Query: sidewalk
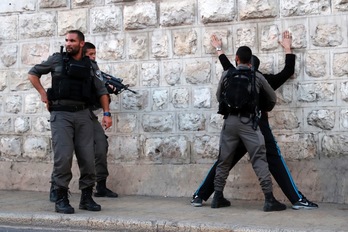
[142,213]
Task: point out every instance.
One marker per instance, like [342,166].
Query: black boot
[219,200]
[271,204]
[87,201]
[62,203]
[53,193]
[103,191]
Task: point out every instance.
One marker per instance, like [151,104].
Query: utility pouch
[77,71]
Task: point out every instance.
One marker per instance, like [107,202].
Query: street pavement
[32,211]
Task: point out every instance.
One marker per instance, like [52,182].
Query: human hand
[107,122]
[215,42]
[286,41]
[44,99]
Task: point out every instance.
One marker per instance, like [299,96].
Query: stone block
[37,25]
[106,19]
[140,15]
[177,13]
[8,26]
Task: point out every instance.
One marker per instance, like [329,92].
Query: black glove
[111,89]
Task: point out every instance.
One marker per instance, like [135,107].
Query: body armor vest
[74,81]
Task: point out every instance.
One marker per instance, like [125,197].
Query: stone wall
[165,138]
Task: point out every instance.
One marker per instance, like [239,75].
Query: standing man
[276,163]
[74,89]
[100,138]
[239,125]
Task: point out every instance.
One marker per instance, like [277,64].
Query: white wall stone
[140,16]
[8,55]
[177,13]
[17,6]
[72,20]
[37,25]
[324,119]
[212,11]
[52,3]
[8,26]
[306,7]
[159,44]
[106,19]
[257,9]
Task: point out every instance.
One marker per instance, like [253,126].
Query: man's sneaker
[196,201]
[304,204]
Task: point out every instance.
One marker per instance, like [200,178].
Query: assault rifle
[113,84]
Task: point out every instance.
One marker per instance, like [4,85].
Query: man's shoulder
[55,56]
[260,75]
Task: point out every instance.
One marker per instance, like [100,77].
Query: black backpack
[238,93]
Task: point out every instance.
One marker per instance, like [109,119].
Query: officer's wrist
[107,114]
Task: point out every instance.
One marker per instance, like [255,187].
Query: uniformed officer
[74,88]
[238,126]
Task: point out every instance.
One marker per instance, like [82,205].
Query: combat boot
[103,191]
[53,193]
[219,200]
[87,201]
[62,203]
[271,204]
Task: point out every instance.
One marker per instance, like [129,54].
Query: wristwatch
[218,48]
[107,114]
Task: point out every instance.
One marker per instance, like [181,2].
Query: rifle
[113,84]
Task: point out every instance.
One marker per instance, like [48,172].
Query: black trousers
[276,165]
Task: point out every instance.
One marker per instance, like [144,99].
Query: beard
[72,51]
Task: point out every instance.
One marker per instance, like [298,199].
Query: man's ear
[82,43]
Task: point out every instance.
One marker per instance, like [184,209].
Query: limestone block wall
[165,138]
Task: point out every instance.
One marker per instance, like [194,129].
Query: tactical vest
[238,93]
[74,81]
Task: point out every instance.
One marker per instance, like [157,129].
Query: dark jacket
[275,80]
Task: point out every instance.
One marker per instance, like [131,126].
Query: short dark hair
[244,54]
[80,35]
[87,45]
[255,62]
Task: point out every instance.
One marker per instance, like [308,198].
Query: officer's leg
[63,146]
[62,140]
[101,165]
[229,140]
[255,144]
[206,189]
[100,151]
[84,149]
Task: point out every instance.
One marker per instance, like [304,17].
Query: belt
[72,108]
[246,115]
